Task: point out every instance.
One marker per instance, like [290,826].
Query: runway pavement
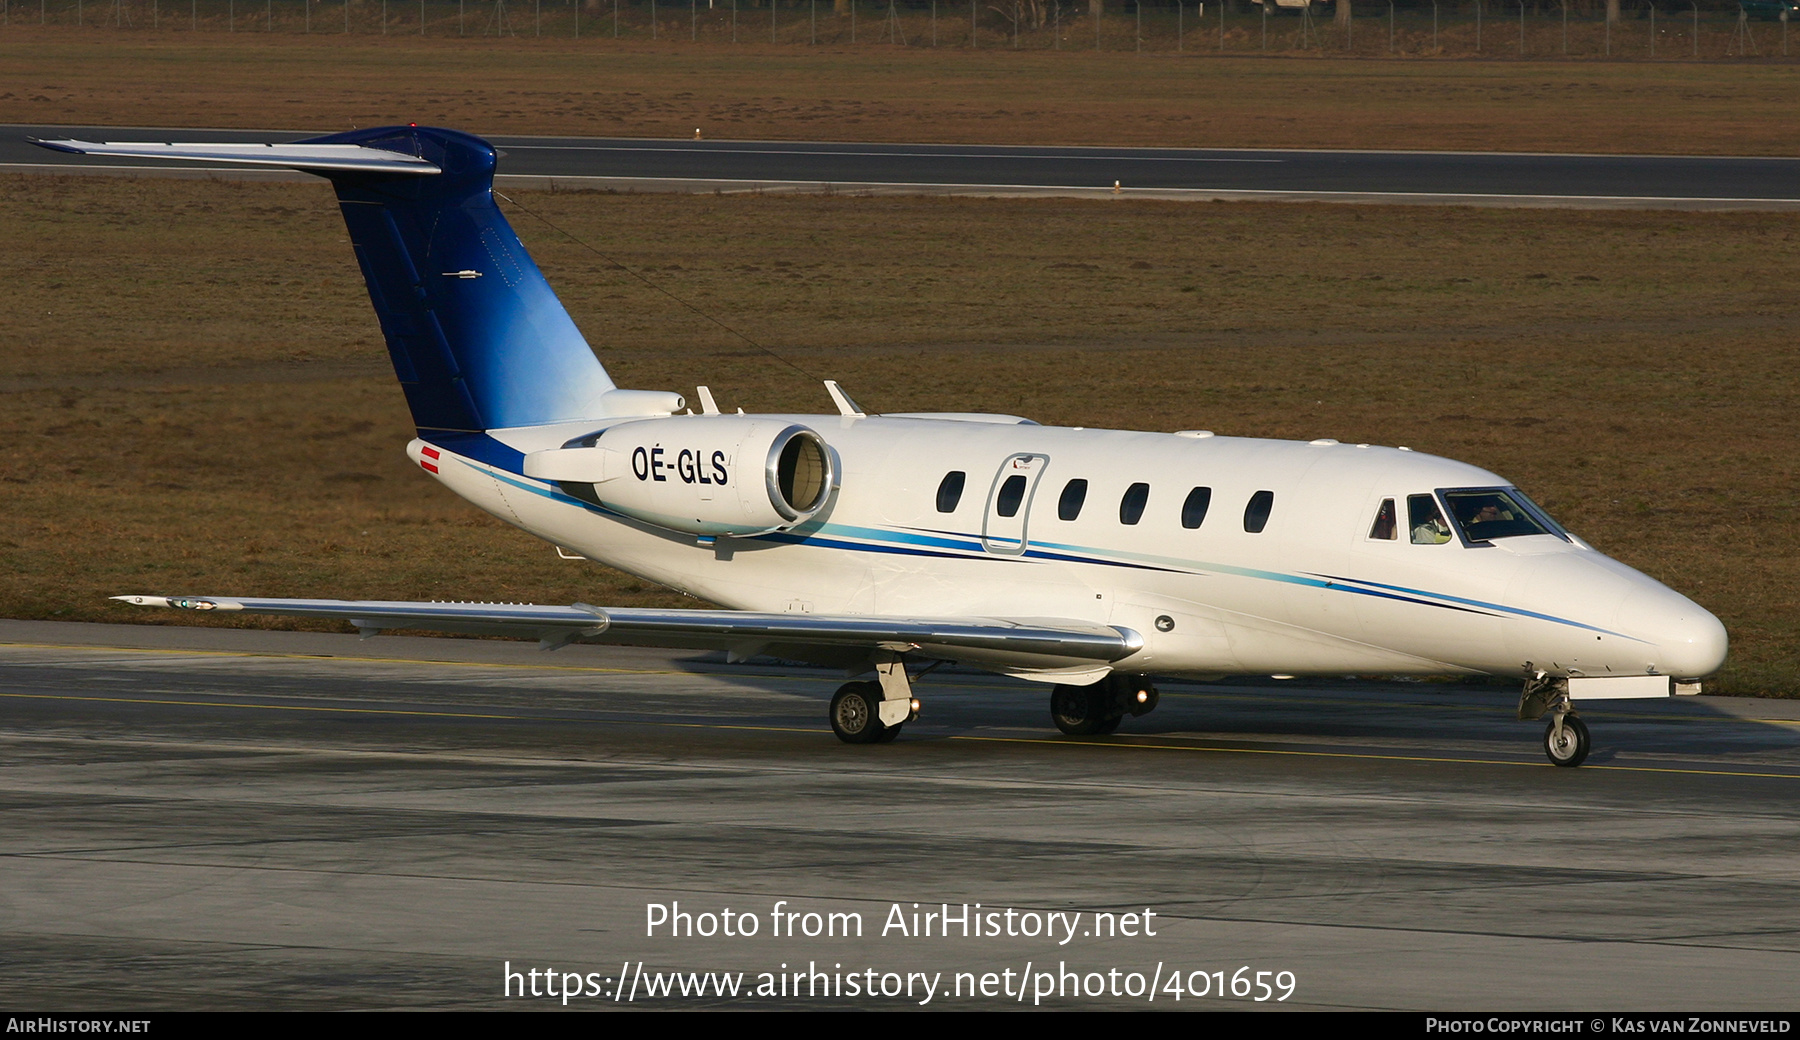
[211,818]
[1471,178]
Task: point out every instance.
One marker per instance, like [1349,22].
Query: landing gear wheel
[1572,749]
[1109,726]
[1080,711]
[855,714]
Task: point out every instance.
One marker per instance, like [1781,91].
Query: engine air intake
[801,473]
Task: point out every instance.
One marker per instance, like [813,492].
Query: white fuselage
[1311,593]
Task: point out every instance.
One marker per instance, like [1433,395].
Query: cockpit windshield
[1484,514]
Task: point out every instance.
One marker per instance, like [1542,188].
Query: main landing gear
[1566,741]
[1095,710]
[872,711]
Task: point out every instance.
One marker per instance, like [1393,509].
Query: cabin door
[1009,504]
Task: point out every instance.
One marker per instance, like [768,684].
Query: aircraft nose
[1690,642]
[1664,632]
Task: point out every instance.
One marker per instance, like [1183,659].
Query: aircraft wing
[1047,643]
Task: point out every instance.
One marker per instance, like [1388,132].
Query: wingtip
[57,146]
[179,603]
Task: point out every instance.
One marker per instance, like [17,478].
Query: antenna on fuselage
[845,406]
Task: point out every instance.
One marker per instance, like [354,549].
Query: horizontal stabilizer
[1049,638]
[302,156]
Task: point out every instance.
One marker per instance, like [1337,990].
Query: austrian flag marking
[429,453]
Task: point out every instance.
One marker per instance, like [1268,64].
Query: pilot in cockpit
[1428,526]
[1473,514]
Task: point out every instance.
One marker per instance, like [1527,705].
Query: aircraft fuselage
[1317,590]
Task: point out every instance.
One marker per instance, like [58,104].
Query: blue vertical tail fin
[477,337]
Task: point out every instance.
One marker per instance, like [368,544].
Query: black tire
[1109,726]
[856,713]
[1573,749]
[888,733]
[1079,711]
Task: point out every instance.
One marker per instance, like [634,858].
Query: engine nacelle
[698,474]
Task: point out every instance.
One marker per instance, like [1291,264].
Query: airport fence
[1647,29]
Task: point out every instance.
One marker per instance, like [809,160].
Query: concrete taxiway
[1500,179]
[212,818]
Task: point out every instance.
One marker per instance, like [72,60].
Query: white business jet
[1087,559]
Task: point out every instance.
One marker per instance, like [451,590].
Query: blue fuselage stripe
[933,544]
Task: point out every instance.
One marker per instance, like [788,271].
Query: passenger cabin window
[1385,524]
[950,491]
[1006,503]
[1193,511]
[1425,521]
[1256,513]
[1131,507]
[1074,493]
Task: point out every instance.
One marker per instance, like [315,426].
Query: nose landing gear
[1566,737]
[1566,740]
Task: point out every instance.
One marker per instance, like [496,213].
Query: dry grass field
[635,87]
[196,398]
